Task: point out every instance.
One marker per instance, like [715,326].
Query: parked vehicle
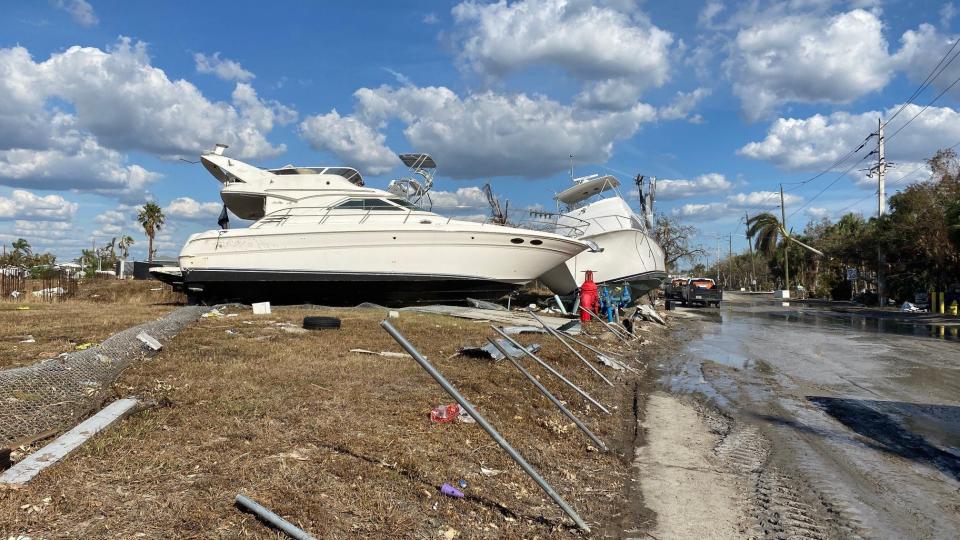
[695,291]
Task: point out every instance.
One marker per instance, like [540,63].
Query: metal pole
[881,207]
[592,348]
[550,396]
[608,326]
[569,348]
[753,265]
[482,422]
[549,368]
[786,243]
[274,520]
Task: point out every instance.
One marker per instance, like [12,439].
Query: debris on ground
[387,354]
[451,491]
[149,341]
[52,291]
[261,308]
[212,313]
[483,304]
[28,339]
[909,307]
[287,327]
[393,314]
[648,313]
[465,417]
[441,414]
[83,346]
[515,330]
[321,323]
[490,351]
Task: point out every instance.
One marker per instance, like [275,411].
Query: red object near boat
[589,297]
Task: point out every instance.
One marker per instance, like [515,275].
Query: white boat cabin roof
[586,187]
[351,174]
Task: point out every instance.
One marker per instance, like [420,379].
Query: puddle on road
[867,324]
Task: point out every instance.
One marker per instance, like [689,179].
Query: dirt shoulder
[339,442]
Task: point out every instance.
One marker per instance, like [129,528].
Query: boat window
[349,174]
[404,203]
[365,204]
[297,170]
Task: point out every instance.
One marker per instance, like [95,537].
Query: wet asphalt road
[860,418]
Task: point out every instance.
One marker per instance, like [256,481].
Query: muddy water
[863,416]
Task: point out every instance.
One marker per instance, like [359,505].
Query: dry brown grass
[102,308]
[337,442]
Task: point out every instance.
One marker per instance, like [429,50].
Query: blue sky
[719,100]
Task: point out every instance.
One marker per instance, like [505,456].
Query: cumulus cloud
[482,134]
[81,11]
[187,209]
[683,104]
[222,68]
[735,205]
[705,184]
[809,59]
[818,141]
[465,199]
[65,122]
[354,142]
[609,42]
[26,206]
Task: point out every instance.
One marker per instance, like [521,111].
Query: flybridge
[585,187]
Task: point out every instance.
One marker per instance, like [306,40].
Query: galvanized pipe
[608,326]
[557,335]
[482,422]
[591,347]
[554,400]
[274,520]
[549,368]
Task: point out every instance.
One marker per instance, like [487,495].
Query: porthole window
[536,242]
[516,240]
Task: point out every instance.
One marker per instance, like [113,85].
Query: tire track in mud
[782,504]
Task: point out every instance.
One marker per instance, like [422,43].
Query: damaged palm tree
[765,231]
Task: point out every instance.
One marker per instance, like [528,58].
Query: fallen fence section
[271,519]
[543,390]
[30,466]
[482,422]
[55,394]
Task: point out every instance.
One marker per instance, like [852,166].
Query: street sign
[851,274]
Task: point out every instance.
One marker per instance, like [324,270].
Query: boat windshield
[351,175]
[366,204]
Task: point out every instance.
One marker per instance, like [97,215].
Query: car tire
[321,323]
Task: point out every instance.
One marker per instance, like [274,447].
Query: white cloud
[80,10]
[947,13]
[809,59]
[735,205]
[705,184]
[817,212]
[819,141]
[683,104]
[465,199]
[44,231]
[610,42]
[26,206]
[490,134]
[185,208]
[223,68]
[431,18]
[355,143]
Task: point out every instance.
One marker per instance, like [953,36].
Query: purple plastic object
[451,491]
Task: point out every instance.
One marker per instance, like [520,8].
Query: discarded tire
[321,323]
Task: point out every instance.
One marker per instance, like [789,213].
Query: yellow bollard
[943,301]
[953,308]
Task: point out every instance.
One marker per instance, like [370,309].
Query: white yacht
[592,210]
[321,235]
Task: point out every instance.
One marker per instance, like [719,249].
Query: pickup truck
[702,291]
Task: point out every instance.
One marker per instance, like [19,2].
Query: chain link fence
[55,394]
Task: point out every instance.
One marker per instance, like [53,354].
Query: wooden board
[30,466]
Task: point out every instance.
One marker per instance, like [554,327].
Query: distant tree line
[919,237]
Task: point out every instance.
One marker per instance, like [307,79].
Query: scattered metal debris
[543,390]
[546,487]
[647,312]
[483,304]
[271,519]
[557,335]
[514,330]
[494,353]
[387,354]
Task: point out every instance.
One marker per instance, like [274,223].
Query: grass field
[339,443]
[57,327]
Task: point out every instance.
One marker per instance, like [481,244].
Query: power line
[925,107]
[828,186]
[934,73]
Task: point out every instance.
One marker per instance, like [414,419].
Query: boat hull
[391,266]
[627,256]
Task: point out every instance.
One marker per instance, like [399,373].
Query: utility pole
[753,267]
[718,258]
[730,256]
[881,206]
[786,243]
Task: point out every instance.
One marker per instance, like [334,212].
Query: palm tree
[767,231]
[151,218]
[124,244]
[20,245]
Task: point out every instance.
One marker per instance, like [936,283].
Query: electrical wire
[934,73]
[925,107]
[828,186]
